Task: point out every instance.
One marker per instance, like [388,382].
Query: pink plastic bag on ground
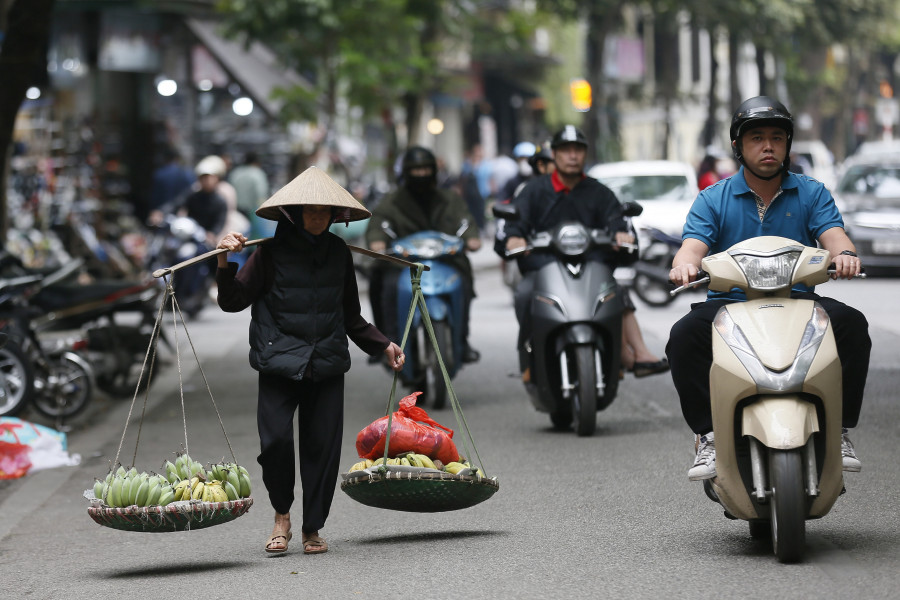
[412,430]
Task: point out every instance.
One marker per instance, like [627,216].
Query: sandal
[314,545]
[643,369]
[274,543]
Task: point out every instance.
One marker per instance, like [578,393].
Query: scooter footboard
[781,423]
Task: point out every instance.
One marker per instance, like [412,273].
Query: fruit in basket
[454,467]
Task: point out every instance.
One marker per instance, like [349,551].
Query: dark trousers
[689,351]
[320,408]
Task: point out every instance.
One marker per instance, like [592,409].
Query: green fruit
[167,498]
[245,486]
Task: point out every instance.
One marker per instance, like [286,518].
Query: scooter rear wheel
[652,292]
[788,505]
[584,398]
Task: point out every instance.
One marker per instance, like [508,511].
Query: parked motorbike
[775,390]
[651,271]
[176,240]
[573,358]
[442,288]
[48,374]
[114,319]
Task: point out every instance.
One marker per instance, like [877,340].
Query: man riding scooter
[419,205]
[763,199]
[565,193]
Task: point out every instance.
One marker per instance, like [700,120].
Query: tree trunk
[23,55]
[712,101]
[734,45]
[761,71]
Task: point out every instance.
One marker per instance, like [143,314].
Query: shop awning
[255,68]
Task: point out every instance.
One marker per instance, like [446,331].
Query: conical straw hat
[314,186]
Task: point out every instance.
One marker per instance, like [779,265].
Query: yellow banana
[358,466]
[454,467]
[197,491]
[426,461]
[369,462]
[180,488]
[405,462]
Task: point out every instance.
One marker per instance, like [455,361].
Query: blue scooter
[442,289]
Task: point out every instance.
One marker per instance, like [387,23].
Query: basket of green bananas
[186,497]
[415,483]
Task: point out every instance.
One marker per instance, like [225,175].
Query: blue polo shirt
[725,214]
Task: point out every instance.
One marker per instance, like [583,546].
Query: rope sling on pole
[423,491]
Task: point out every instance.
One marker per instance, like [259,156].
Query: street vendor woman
[302,288]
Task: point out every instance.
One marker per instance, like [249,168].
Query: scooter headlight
[422,248]
[768,271]
[572,240]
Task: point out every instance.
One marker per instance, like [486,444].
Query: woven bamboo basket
[419,492]
[177,516]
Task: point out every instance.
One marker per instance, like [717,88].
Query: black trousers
[689,351]
[320,408]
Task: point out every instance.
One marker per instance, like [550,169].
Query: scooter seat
[66,295]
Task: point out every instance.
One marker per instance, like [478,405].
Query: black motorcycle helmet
[568,135]
[416,157]
[541,153]
[761,111]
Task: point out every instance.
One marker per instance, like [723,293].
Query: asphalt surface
[608,516]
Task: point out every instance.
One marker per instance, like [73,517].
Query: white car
[666,189]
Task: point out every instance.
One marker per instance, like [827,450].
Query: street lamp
[166,87]
[242,106]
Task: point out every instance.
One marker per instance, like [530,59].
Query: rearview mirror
[632,209]
[505,210]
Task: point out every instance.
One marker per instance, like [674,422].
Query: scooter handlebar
[702,278]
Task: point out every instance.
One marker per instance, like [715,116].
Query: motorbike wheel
[67,390]
[654,293]
[788,505]
[434,377]
[16,379]
[584,398]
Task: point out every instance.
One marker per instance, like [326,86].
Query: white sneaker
[848,454]
[705,463]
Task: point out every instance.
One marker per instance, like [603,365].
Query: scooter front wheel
[584,394]
[16,379]
[788,505]
[435,385]
[67,389]
[654,293]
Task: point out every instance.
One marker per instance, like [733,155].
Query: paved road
[607,516]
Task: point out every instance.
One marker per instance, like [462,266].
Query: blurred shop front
[127,80]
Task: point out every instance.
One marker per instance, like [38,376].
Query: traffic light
[580,90]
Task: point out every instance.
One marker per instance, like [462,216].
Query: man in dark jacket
[419,205]
[305,303]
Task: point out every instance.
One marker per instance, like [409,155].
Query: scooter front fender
[780,423]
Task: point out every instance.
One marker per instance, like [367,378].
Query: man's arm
[835,240]
[686,263]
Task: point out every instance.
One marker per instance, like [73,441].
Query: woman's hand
[396,358]
[233,242]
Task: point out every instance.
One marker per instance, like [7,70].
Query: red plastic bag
[412,430]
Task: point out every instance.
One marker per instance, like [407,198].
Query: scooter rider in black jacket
[567,194]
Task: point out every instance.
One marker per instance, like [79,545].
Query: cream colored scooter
[775,387]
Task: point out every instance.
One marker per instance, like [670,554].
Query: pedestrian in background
[170,181]
[250,183]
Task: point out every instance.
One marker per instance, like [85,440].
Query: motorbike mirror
[632,209]
[505,210]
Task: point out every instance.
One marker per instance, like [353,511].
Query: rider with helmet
[565,193]
[522,152]
[762,198]
[418,205]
